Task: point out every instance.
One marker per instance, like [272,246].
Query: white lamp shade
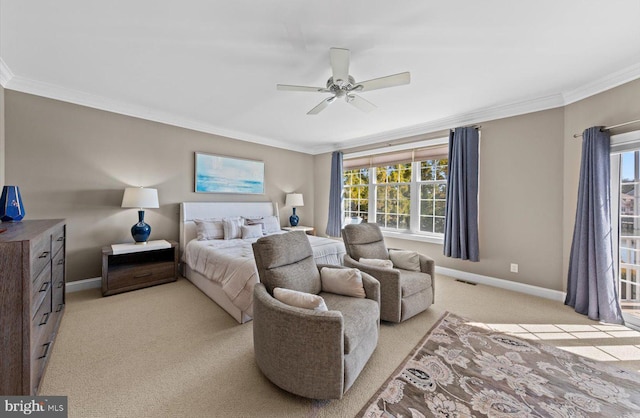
[294,199]
[140,197]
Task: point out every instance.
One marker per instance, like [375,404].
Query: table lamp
[11,207]
[295,200]
[140,197]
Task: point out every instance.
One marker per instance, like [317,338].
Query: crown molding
[602,84]
[478,116]
[5,74]
[55,92]
[10,81]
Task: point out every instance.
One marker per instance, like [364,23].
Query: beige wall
[529,168]
[520,202]
[618,105]
[74,162]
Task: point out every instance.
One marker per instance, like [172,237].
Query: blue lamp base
[141,231]
[294,219]
[11,207]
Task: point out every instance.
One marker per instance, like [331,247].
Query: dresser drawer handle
[138,276]
[60,285]
[46,350]
[44,287]
[60,306]
[44,254]
[61,261]
[45,318]
[60,239]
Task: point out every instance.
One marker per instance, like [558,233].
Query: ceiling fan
[342,85]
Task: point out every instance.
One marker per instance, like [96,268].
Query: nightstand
[307,229]
[134,266]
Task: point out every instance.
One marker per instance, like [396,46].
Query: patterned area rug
[459,370]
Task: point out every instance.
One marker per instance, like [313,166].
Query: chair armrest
[428,265]
[371,287]
[298,349]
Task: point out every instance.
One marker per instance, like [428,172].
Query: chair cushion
[364,241]
[342,281]
[302,276]
[286,260]
[299,299]
[412,282]
[358,314]
[406,260]
[377,262]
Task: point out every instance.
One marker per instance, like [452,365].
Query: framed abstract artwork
[220,174]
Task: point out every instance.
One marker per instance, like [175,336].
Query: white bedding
[230,263]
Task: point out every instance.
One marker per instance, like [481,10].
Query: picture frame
[223,174]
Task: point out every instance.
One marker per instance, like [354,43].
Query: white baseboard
[96,282]
[78,285]
[503,284]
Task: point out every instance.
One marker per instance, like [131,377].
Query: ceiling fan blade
[302,88]
[339,64]
[362,104]
[384,82]
[321,106]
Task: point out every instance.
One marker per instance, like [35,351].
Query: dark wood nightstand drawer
[138,275]
[140,268]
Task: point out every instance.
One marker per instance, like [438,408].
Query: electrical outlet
[514,268]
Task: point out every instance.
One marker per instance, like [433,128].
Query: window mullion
[372,194]
[415,197]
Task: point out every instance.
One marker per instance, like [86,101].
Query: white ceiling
[213,65]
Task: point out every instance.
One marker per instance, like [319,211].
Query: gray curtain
[334,224]
[591,286]
[461,218]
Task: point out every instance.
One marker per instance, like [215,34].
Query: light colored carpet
[169,351]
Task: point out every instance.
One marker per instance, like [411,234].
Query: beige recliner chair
[403,293]
[309,353]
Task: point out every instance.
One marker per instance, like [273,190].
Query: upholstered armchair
[311,353]
[403,293]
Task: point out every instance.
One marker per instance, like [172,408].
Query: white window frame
[414,232]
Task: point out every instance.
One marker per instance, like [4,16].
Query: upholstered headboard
[204,210]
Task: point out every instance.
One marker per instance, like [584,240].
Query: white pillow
[251,231]
[207,229]
[271,224]
[346,282]
[255,221]
[406,260]
[300,299]
[232,228]
[376,262]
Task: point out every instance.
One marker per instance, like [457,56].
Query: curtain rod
[606,128]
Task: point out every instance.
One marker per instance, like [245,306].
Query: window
[433,194]
[401,191]
[356,193]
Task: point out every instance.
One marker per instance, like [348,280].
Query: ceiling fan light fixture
[341,84]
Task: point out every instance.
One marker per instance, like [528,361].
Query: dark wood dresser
[32,286]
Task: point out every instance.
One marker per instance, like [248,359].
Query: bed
[225,270]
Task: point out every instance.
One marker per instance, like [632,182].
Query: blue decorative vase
[141,230]
[11,208]
[294,219]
